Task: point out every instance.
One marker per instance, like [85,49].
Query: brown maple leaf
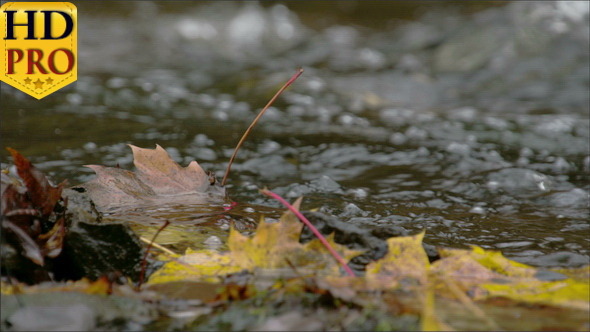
[157,180]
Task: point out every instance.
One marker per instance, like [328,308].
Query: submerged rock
[93,250]
[373,241]
[80,207]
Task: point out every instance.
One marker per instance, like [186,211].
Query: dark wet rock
[80,206]
[519,182]
[351,210]
[371,240]
[547,275]
[574,198]
[563,258]
[93,250]
[323,184]
[271,167]
[556,259]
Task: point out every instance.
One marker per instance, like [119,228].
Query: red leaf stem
[313,229]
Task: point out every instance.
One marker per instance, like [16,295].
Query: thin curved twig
[247,132]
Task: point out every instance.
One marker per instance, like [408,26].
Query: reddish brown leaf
[43,195]
[28,209]
[158,179]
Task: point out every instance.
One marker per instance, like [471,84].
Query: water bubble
[526,152]
[477,210]
[284,26]
[519,181]
[195,29]
[358,193]
[90,146]
[205,154]
[522,161]
[116,82]
[416,133]
[560,165]
[397,139]
[352,210]
[296,110]
[202,140]
[459,148]
[351,120]
[220,115]
[74,98]
[371,59]
[247,28]
[466,114]
[315,84]
[268,147]
[575,198]
[213,242]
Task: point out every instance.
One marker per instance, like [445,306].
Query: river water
[469,121]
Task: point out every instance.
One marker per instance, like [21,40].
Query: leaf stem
[313,229]
[247,132]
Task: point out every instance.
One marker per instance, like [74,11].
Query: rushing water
[473,124]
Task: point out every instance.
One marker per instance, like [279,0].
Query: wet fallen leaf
[405,261]
[43,196]
[274,246]
[29,205]
[487,274]
[567,293]
[461,278]
[494,261]
[157,179]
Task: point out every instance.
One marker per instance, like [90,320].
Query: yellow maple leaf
[405,260]
[274,246]
[488,274]
[493,260]
[565,293]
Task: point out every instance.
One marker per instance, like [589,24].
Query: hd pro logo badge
[39,46]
